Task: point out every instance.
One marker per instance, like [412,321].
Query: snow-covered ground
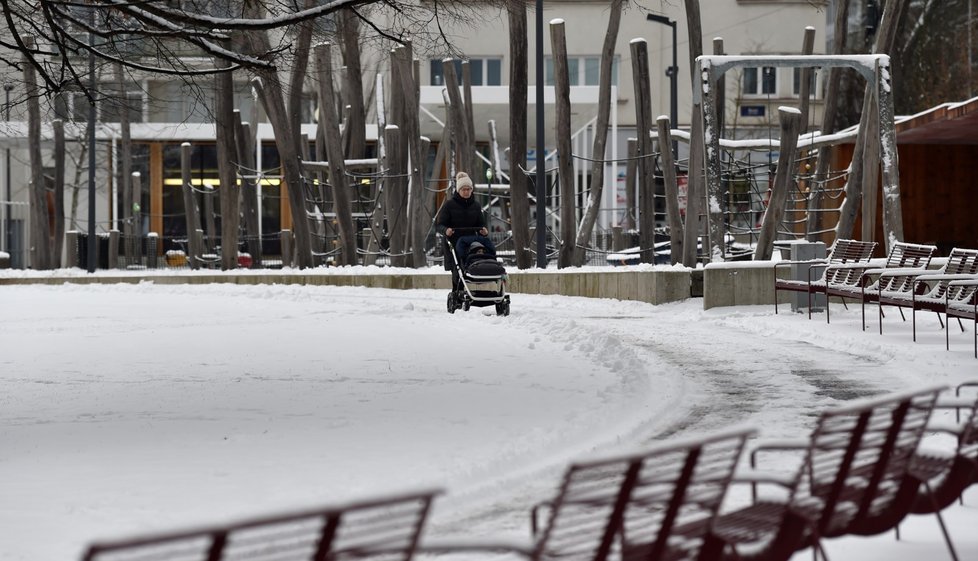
[127,409]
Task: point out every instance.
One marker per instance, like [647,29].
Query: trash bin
[802,250]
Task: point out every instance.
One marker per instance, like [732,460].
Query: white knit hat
[462,180]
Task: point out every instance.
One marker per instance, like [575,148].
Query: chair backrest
[959,262]
[905,255]
[642,498]
[847,251]
[859,455]
[379,529]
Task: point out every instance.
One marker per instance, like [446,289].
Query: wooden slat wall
[938,191]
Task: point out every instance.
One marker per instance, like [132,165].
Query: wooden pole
[695,184]
[673,216]
[518,95]
[244,142]
[417,225]
[562,130]
[790,125]
[631,173]
[224,122]
[396,190]
[645,164]
[190,207]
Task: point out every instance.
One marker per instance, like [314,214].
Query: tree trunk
[40,237]
[334,152]
[469,161]
[805,87]
[631,173]
[645,164]
[790,126]
[124,177]
[349,31]
[224,134]
[601,133]
[464,147]
[565,157]
[519,199]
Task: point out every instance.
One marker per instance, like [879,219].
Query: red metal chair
[854,478]
[842,252]
[963,306]
[386,527]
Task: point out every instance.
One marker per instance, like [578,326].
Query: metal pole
[541,178]
[91,145]
[673,74]
[7,208]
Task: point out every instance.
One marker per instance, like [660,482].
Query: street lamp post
[672,72]
[7,230]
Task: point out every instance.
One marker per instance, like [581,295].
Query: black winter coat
[457,213]
[460,213]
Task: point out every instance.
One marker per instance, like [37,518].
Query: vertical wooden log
[714,186]
[334,151]
[593,205]
[58,231]
[695,184]
[40,239]
[674,219]
[470,162]
[892,207]
[790,125]
[518,190]
[562,130]
[376,224]
[721,97]
[211,224]
[113,257]
[349,28]
[71,245]
[125,163]
[871,169]
[136,241]
[464,146]
[645,150]
[396,190]
[285,240]
[190,207]
[805,85]
[631,174]
[224,121]
[244,142]
[417,222]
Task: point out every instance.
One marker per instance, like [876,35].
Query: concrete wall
[654,287]
[741,283]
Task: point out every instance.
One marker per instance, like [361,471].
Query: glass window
[581,70]
[484,71]
[758,81]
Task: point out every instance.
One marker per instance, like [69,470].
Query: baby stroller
[481,278]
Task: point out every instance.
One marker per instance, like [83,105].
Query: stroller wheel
[465,306]
[502,309]
[452,306]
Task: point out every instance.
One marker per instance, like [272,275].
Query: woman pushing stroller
[462,222]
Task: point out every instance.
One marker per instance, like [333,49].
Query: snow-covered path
[127,409]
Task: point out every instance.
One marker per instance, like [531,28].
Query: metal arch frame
[875,68]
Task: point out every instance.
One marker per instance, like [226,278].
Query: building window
[581,70]
[73,106]
[796,83]
[112,108]
[485,71]
[760,81]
